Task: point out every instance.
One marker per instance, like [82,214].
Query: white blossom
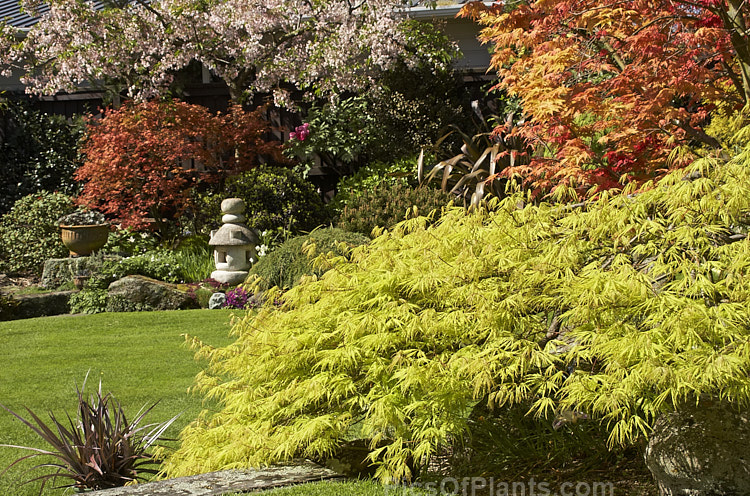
[253,45]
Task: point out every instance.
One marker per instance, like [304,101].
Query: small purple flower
[237,298]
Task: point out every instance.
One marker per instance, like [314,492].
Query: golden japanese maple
[610,90]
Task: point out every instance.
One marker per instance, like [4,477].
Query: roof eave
[432,13]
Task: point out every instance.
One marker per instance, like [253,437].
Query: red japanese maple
[142,160]
[610,89]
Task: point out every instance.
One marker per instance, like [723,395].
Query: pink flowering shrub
[300,132]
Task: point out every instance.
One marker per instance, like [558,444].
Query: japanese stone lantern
[234,244]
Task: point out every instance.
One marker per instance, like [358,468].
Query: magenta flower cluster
[237,298]
[300,132]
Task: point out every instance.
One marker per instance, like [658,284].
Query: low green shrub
[189,263]
[29,233]
[388,203]
[284,266]
[127,242]
[163,265]
[88,301]
[275,197]
[202,295]
[370,176]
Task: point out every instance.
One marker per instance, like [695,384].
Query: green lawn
[346,488]
[139,357]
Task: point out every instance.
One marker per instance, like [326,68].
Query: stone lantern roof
[234,235]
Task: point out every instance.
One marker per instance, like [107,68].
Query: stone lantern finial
[234,244]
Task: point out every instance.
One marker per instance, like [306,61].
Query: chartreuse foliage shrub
[622,309]
[29,233]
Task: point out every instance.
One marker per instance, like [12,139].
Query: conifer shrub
[618,310]
[285,265]
[389,203]
[29,233]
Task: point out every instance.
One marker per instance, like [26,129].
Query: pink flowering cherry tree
[253,45]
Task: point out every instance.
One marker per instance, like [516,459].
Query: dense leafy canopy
[142,160]
[621,308]
[613,91]
[37,152]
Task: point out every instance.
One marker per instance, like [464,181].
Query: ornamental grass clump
[98,449]
[619,310]
[286,264]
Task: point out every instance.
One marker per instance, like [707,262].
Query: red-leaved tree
[142,160]
[613,90]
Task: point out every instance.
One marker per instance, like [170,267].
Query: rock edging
[228,481]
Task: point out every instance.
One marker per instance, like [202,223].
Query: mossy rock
[59,271]
[699,449]
[139,293]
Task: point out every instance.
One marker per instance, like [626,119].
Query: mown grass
[139,357]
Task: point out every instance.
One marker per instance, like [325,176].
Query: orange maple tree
[142,160]
[611,90]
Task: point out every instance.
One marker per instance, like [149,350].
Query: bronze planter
[83,240]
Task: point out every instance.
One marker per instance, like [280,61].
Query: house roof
[420,9]
[13,14]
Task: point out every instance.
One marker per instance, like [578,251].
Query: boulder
[139,293]
[217,301]
[701,450]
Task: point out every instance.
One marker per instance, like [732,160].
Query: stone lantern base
[231,277]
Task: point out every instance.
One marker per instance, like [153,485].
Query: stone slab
[42,304]
[228,481]
[59,271]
